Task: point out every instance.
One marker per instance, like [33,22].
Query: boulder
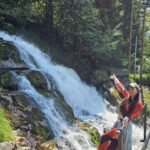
[6,81]
[9,55]
[59,103]
[37,79]
[40,80]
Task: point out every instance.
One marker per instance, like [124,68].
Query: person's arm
[119,85]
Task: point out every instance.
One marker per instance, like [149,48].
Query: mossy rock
[36,118]
[49,145]
[40,124]
[92,132]
[37,79]
[9,52]
[21,98]
[45,132]
[60,104]
[36,115]
[26,113]
[6,81]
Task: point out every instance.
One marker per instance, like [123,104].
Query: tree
[49,15]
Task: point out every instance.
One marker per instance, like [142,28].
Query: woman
[130,108]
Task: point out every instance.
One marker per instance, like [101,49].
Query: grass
[137,77]
[6,131]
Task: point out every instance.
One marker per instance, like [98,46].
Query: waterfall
[85,101]
[82,98]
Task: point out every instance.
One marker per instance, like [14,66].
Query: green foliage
[102,74]
[99,28]
[19,12]
[6,131]
[38,10]
[146,57]
[83,30]
[136,78]
[146,93]
[79,24]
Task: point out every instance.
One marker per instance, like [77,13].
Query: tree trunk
[49,16]
[127,7]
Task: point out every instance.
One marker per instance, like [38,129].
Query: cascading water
[56,121]
[84,100]
[45,105]
[77,94]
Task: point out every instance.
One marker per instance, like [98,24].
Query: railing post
[145,121]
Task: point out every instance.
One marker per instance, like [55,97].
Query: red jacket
[108,141]
[137,108]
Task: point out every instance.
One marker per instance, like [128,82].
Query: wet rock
[8,146]
[7,82]
[37,79]
[41,81]
[21,141]
[9,52]
[49,145]
[91,131]
[29,123]
[60,104]
[9,56]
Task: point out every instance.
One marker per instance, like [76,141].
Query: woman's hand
[122,102]
[113,77]
[125,122]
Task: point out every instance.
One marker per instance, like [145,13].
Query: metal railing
[144,118]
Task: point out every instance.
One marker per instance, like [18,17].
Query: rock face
[37,79]
[60,104]
[29,123]
[9,56]
[6,81]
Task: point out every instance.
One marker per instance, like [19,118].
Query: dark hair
[132,104]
